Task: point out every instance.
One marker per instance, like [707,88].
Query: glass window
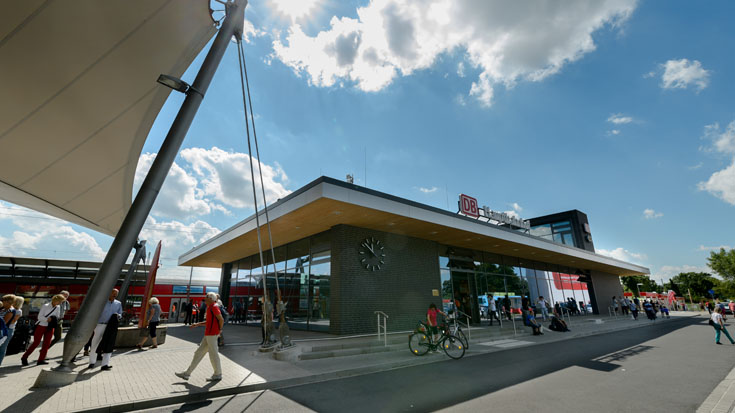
[447,294]
[541,230]
[319,282]
[567,238]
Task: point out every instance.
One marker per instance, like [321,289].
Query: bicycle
[455,329]
[421,342]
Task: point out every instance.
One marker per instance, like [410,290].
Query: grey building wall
[402,288]
[605,287]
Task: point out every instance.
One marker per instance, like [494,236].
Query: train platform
[145,379]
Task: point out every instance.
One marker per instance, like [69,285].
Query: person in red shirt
[431,319]
[213,323]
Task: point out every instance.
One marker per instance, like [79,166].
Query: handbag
[712,323]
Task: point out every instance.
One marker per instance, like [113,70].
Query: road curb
[358,371]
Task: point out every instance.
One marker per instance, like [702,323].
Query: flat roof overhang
[327,202]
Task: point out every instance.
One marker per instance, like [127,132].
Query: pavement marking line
[506,343]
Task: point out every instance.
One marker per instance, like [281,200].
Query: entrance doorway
[464,294]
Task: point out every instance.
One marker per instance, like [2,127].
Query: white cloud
[249,31]
[507,41]
[622,254]
[176,237]
[179,197]
[667,272]
[614,132]
[619,119]
[722,141]
[516,211]
[225,176]
[207,179]
[460,69]
[717,248]
[721,184]
[695,167]
[651,214]
[428,190]
[41,236]
[682,73]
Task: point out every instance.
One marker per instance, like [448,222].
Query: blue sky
[622,110]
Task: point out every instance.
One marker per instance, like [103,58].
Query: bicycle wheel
[453,346]
[460,335]
[418,343]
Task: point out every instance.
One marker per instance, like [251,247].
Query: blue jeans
[4,347]
[718,329]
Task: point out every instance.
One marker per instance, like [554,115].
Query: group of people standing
[193,312]
[11,311]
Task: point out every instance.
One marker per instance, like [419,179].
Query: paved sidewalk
[145,379]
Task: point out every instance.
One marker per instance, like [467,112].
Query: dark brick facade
[402,288]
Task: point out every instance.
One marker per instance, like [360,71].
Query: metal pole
[139,255]
[126,237]
[188,287]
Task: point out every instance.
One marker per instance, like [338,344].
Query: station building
[343,252]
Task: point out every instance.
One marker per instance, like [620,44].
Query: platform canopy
[79,96]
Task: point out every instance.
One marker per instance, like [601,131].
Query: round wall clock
[372,254]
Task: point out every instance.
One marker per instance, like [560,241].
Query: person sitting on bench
[531,322]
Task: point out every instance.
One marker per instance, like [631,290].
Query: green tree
[724,289]
[723,263]
[698,283]
[631,283]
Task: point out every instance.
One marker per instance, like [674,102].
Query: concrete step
[396,342]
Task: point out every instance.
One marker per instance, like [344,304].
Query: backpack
[225,314]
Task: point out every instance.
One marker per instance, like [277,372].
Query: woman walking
[153,316]
[7,313]
[48,320]
[719,325]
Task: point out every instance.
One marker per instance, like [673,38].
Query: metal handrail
[467,324]
[384,326]
[569,317]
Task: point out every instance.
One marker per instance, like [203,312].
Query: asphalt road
[669,367]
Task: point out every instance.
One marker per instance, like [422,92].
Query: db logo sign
[468,206]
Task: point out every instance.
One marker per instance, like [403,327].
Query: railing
[469,331]
[383,326]
[569,317]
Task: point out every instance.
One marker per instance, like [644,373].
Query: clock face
[372,254]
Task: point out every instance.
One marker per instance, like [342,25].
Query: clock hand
[369,248]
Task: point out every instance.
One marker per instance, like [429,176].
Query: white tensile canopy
[79,96]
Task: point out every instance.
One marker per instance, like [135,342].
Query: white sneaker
[182,375]
[215,378]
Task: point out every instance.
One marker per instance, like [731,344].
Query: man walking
[492,309]
[541,303]
[213,326]
[111,314]
[63,308]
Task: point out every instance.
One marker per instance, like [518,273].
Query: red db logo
[468,206]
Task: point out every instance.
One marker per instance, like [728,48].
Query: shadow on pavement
[31,401]
[473,377]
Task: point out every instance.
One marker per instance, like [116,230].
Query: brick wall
[402,288]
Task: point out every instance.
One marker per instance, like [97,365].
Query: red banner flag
[148,292]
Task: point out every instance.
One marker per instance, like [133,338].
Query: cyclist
[431,321]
